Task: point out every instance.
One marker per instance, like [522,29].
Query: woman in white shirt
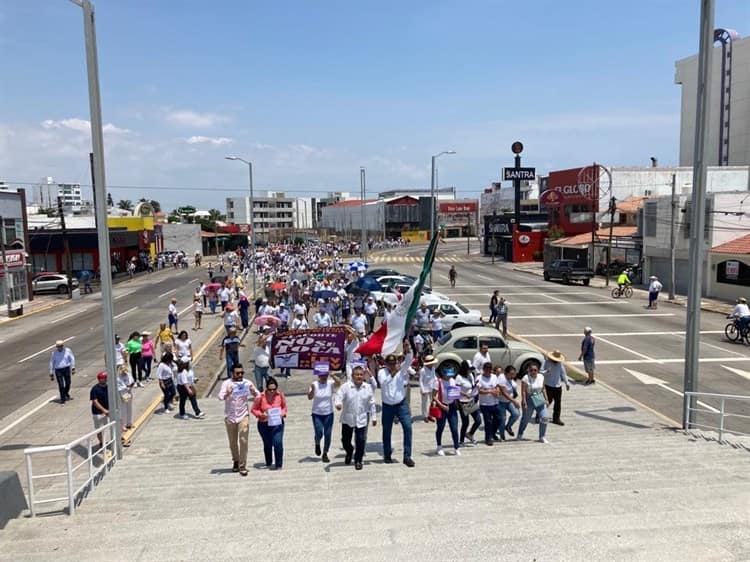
[183,346]
[533,398]
[186,388]
[446,396]
[427,379]
[125,384]
[436,324]
[321,393]
[165,376]
[468,407]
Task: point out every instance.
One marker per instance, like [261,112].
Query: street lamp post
[363,188]
[433,205]
[252,214]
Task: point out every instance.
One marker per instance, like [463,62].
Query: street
[639,352]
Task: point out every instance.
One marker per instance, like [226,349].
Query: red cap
[102,376]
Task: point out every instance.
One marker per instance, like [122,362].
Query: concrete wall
[348,218]
[727,291]
[185,237]
[686,74]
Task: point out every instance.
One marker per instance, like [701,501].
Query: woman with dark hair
[165,376]
[446,396]
[270,410]
[468,407]
[134,348]
[183,346]
[186,388]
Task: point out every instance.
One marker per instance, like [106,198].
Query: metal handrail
[722,413]
[109,430]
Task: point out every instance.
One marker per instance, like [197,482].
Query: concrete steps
[617,485]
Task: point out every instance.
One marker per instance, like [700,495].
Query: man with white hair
[587,355]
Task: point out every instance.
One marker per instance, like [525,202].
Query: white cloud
[189,118]
[216,141]
[80,125]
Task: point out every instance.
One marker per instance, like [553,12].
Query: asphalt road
[640,352]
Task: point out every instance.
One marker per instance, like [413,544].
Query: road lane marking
[167,293]
[549,303]
[27,414]
[124,295]
[649,380]
[128,311]
[56,320]
[488,293]
[45,349]
[579,334]
[554,298]
[662,361]
[185,309]
[544,316]
[740,372]
[631,351]
[483,276]
[716,347]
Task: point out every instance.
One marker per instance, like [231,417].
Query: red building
[570,198]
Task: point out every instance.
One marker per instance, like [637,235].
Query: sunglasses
[239,372]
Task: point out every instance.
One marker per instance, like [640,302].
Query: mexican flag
[388,337]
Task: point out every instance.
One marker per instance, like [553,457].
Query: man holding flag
[393,378]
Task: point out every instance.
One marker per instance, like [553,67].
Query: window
[492,343]
[462,308]
[448,309]
[649,213]
[469,342]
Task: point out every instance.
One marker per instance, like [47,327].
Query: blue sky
[311,91]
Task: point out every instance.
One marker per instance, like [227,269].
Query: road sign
[519,174]
[517,147]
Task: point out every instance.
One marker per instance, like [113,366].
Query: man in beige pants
[236,392]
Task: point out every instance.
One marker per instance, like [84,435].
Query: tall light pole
[100,205]
[251,214]
[363,186]
[433,204]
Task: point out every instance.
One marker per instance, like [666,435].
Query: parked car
[461,344]
[52,283]
[455,315]
[381,272]
[567,271]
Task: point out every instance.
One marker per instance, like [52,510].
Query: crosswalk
[418,259]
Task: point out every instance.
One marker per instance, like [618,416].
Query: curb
[573,372]
[38,310]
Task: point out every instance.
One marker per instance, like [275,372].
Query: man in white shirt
[423,317]
[224,295]
[654,286]
[359,322]
[371,310]
[322,319]
[742,312]
[356,403]
[62,363]
[300,322]
[489,393]
[481,357]
[172,315]
[393,379]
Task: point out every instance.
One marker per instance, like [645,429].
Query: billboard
[449,207]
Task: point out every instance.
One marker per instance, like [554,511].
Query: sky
[311,91]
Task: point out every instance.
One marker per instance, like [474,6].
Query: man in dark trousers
[99,396]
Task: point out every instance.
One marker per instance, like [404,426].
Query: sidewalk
[707,304]
[614,484]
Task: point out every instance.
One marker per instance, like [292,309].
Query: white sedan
[455,315]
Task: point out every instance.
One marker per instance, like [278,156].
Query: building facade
[273,214]
[14,236]
[70,194]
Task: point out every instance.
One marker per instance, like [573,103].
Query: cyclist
[452,275]
[623,279]
[742,312]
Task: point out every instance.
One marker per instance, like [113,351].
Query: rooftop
[737,246]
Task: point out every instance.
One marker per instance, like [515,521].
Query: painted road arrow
[649,380]
[739,372]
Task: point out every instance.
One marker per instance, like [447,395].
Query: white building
[274,214]
[70,193]
[443,193]
[304,210]
[345,217]
[498,199]
[686,74]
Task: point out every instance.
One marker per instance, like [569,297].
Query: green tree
[125,204]
[216,215]
[155,205]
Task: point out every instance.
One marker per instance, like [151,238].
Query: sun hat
[58,343]
[429,361]
[556,356]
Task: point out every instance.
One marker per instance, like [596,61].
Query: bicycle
[624,291]
[732,331]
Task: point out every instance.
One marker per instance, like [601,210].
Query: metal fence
[107,456]
[710,419]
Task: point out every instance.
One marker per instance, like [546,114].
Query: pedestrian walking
[134,347]
[62,365]
[197,311]
[186,388]
[270,410]
[165,376]
[533,399]
[230,317]
[393,379]
[213,300]
[446,396]
[502,316]
[172,316]
[183,346]
[494,300]
[261,358]
[321,392]
[235,393]
[147,354]
[230,349]
[120,353]
[224,296]
[371,310]
[356,402]
[554,377]
[165,338]
[452,274]
[654,286]
[125,383]
[588,355]
[468,405]
[99,396]
[243,307]
[427,383]
[489,393]
[436,324]
[507,401]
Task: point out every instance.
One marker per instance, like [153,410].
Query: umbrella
[353,289]
[267,320]
[368,283]
[278,286]
[358,266]
[324,294]
[213,287]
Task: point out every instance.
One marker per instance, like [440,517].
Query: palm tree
[125,204]
[216,215]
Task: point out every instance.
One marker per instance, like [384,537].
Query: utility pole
[594,225]
[93,186]
[612,208]
[698,218]
[66,246]
[6,281]
[363,243]
[468,234]
[673,204]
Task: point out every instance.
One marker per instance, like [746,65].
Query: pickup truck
[567,271]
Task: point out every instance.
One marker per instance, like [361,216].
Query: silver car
[52,283]
[461,344]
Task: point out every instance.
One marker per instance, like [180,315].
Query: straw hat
[429,361]
[556,356]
